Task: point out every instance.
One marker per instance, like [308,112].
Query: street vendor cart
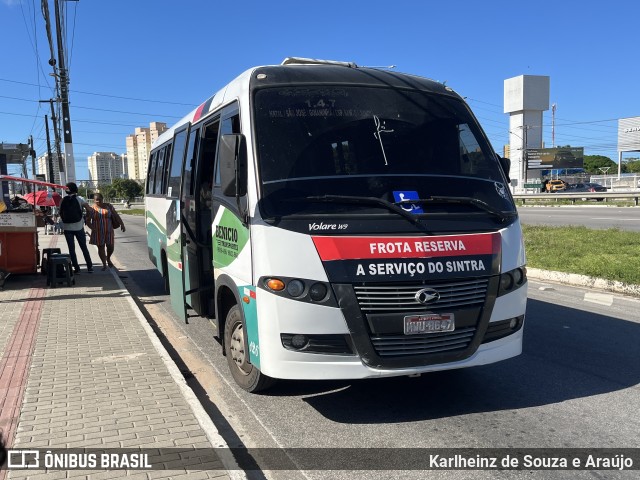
[19,252]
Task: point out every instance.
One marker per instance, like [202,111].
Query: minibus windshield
[386,143]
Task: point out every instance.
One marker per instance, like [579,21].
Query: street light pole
[524,154]
[69,162]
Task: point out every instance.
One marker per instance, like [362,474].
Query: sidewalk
[81,368]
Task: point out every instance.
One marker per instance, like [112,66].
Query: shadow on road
[568,354]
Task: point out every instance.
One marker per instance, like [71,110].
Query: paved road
[624,218]
[576,385]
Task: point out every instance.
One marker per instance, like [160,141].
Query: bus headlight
[317,292]
[299,289]
[295,288]
[512,280]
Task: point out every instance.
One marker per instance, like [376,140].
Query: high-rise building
[42,167]
[104,167]
[138,148]
[125,165]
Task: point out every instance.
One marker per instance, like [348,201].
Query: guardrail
[635,196]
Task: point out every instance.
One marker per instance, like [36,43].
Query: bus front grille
[404,345]
[389,298]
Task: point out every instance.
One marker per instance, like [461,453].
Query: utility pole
[69,162]
[553,125]
[24,172]
[49,155]
[56,134]
[32,152]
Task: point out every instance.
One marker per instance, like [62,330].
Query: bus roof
[301,71]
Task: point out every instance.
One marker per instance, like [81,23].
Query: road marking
[599,298]
[616,218]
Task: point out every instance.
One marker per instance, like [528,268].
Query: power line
[73,32]
[98,109]
[81,121]
[106,95]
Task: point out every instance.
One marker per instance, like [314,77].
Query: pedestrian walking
[103,220]
[58,228]
[71,209]
[49,224]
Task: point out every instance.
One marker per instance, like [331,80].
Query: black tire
[246,375]
[165,275]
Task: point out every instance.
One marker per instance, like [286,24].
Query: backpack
[70,209]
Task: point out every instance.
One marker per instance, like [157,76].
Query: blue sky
[166,57]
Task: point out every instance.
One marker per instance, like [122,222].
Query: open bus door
[176,237]
[196,221]
[190,268]
[175,240]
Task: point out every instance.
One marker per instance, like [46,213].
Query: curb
[210,430]
[584,281]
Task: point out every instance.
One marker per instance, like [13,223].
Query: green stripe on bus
[229,239]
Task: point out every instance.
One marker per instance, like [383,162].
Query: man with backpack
[73,225]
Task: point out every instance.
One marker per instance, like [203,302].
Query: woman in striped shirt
[103,220]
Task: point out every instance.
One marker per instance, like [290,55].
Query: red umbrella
[44,199]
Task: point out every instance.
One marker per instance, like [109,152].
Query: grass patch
[552,202]
[611,254]
[133,211]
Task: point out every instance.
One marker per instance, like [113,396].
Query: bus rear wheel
[246,375]
[165,274]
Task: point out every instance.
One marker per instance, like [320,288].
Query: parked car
[586,188]
[556,185]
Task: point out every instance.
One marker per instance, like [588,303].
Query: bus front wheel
[244,373]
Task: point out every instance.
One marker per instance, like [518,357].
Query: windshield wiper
[461,200]
[372,201]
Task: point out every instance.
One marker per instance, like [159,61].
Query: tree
[108,191]
[127,188]
[633,165]
[592,164]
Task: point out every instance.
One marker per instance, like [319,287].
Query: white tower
[525,98]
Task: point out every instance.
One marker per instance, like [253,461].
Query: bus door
[188,213]
[174,223]
[197,218]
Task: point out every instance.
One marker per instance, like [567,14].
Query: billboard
[555,158]
[629,134]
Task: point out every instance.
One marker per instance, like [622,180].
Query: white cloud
[11,3]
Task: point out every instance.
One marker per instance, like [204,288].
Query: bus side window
[167,164]
[207,155]
[189,179]
[201,182]
[153,162]
[157,183]
[175,166]
[229,125]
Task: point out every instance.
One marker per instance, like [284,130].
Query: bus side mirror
[233,165]
[505,163]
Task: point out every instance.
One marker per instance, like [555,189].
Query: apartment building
[104,167]
[138,148]
[42,167]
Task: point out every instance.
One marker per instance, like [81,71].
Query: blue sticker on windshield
[408,195]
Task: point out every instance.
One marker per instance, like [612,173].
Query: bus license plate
[430,323]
